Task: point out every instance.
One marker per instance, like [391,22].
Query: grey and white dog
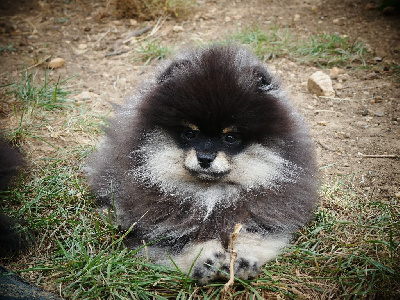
[211,142]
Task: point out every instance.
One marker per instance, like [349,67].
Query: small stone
[85,96]
[177,28]
[378,113]
[338,86]
[56,63]
[344,77]
[322,123]
[314,8]
[227,19]
[370,6]
[371,76]
[82,46]
[335,72]
[397,195]
[320,84]
[133,22]
[388,10]
[364,112]
[377,59]
[336,21]
[296,17]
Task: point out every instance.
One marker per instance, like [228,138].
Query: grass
[350,250]
[150,51]
[9,48]
[324,50]
[33,103]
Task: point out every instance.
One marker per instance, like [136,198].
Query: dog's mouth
[206,175]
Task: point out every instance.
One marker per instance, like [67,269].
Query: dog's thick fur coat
[211,142]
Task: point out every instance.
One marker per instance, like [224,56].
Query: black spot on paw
[208,263]
[255,267]
[225,268]
[219,255]
[197,273]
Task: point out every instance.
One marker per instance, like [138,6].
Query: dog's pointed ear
[264,81]
[172,68]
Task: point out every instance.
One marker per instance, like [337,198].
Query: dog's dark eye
[231,138]
[189,134]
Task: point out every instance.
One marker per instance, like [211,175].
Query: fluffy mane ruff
[256,168]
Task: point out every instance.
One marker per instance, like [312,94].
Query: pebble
[322,123]
[370,6]
[56,63]
[335,72]
[397,195]
[388,10]
[338,86]
[177,28]
[296,17]
[82,46]
[227,19]
[320,84]
[378,114]
[85,96]
[371,76]
[344,77]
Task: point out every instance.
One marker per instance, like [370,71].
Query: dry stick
[378,155]
[102,37]
[136,33]
[233,257]
[325,146]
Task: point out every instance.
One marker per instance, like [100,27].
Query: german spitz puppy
[210,142]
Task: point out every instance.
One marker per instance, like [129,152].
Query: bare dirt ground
[362,119]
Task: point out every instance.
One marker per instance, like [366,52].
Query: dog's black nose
[205,159]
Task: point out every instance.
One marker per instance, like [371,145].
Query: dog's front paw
[247,268]
[209,267]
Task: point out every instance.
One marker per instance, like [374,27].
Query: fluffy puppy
[212,142]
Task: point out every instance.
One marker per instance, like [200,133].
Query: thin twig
[29,22]
[98,41]
[39,63]
[119,52]
[233,257]
[378,155]
[158,25]
[325,146]
[136,33]
[317,111]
